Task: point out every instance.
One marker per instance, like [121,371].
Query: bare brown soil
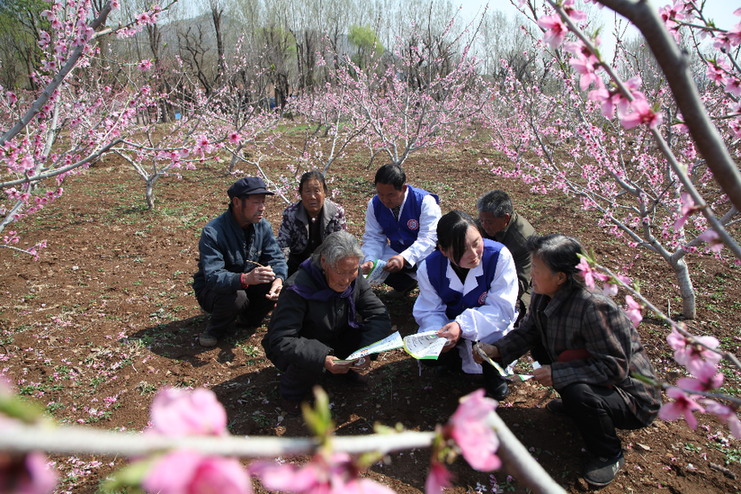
[107,316]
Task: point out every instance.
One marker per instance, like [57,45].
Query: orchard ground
[107,316]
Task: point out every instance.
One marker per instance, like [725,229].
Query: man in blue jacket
[400,227]
[241,268]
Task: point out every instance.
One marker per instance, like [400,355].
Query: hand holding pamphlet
[502,372]
[377,275]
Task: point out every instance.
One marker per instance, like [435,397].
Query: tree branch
[673,63]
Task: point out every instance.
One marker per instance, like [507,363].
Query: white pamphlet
[390,342]
[377,275]
[425,345]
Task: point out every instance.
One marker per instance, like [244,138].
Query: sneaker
[556,407]
[601,471]
[207,340]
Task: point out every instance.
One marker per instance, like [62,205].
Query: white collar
[470,282]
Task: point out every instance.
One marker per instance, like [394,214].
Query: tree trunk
[217,11]
[149,194]
[689,309]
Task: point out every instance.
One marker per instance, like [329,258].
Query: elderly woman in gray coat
[325,312]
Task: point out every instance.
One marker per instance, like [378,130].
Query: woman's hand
[490,350]
[333,366]
[451,332]
[394,264]
[361,365]
[544,375]
[366,267]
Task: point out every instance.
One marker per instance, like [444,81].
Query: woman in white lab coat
[467,293]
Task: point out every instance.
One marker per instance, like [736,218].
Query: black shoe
[499,391]
[556,407]
[601,471]
[292,408]
[495,384]
[208,340]
[354,379]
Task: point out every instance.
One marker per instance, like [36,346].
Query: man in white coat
[399,227]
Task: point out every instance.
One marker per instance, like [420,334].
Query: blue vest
[456,302]
[404,232]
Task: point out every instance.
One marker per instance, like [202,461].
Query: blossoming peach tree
[425,99]
[625,148]
[606,164]
[228,119]
[62,128]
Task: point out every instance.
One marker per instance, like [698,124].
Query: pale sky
[720,11]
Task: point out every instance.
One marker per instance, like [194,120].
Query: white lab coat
[487,323]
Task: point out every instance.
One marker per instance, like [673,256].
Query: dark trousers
[296,381]
[597,411]
[224,308]
[452,361]
[401,281]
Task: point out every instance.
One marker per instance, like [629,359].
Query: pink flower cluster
[720,68]
[698,356]
[181,412]
[632,105]
[23,473]
[325,474]
[468,428]
[187,472]
[476,439]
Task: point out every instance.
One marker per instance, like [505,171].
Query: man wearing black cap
[241,268]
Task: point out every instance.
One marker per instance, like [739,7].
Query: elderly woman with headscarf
[589,351]
[325,312]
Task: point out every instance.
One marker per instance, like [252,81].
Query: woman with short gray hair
[325,312]
[336,246]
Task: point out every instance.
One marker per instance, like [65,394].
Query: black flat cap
[248,186]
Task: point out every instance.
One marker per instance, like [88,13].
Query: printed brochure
[425,345]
